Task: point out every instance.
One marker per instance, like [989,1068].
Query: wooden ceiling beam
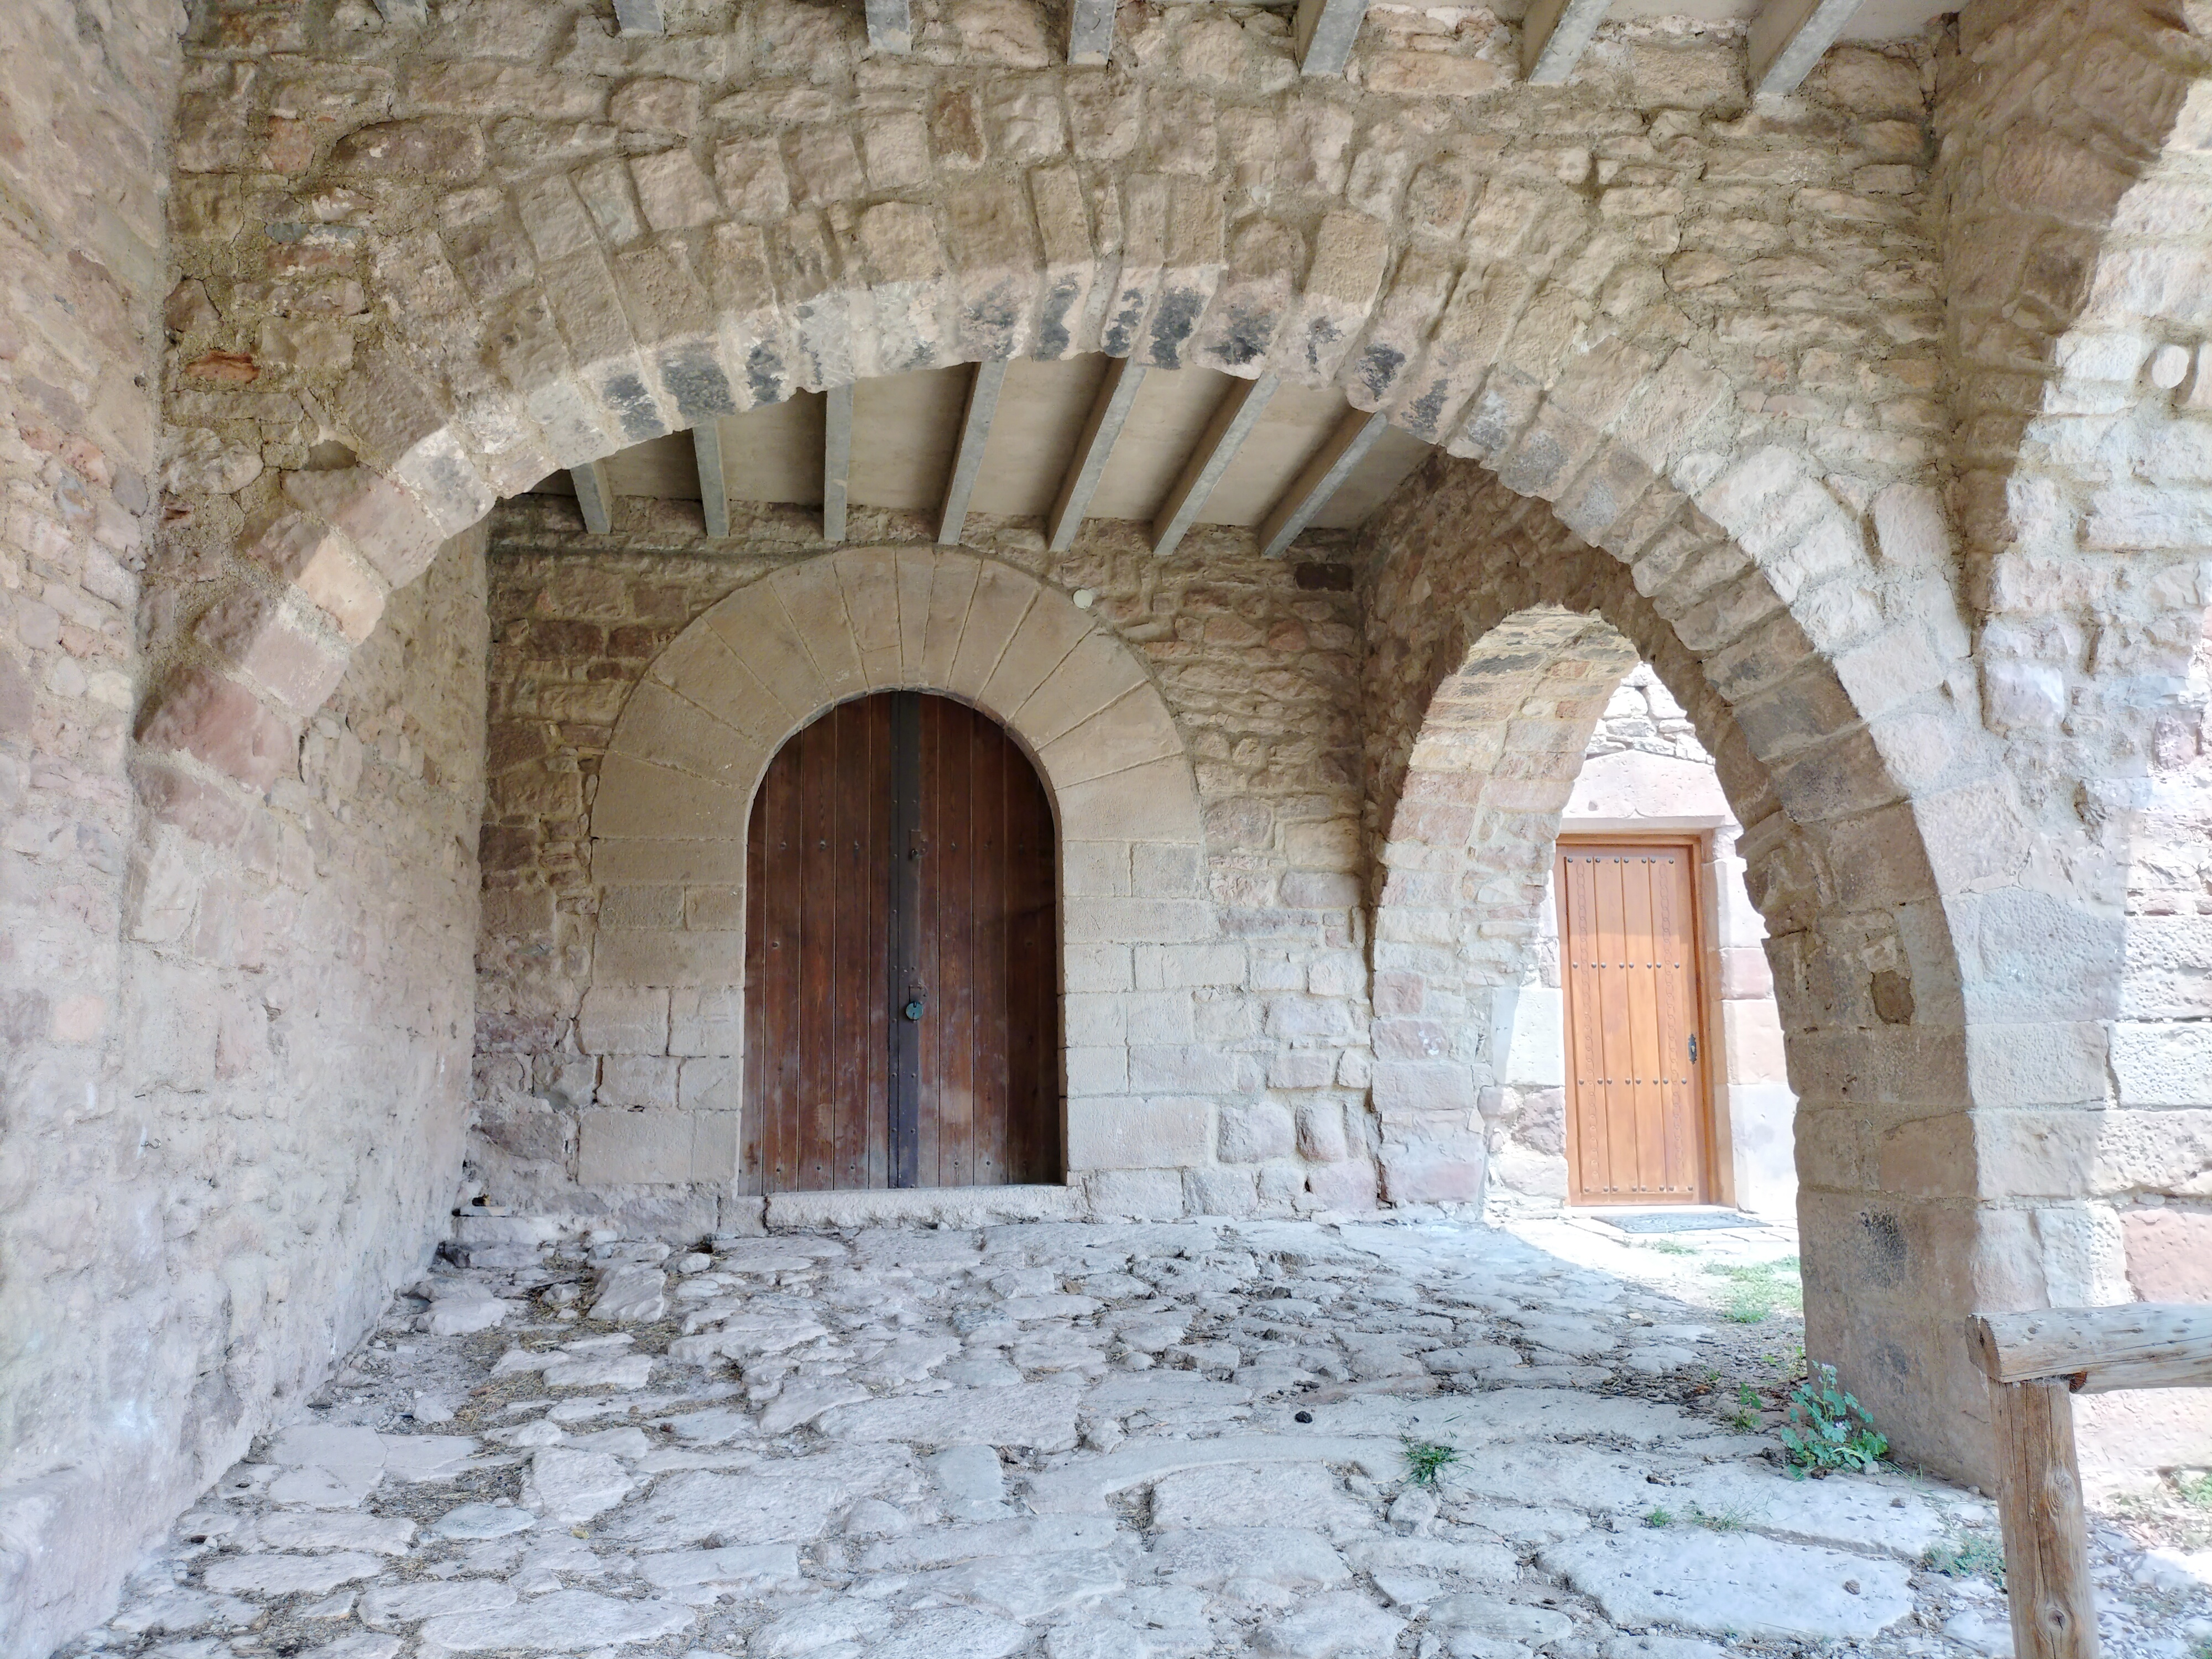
[1789,37]
[1555,35]
[638,17]
[837,459]
[890,25]
[714,488]
[1232,422]
[1319,478]
[1324,34]
[1089,31]
[595,496]
[990,378]
[1110,413]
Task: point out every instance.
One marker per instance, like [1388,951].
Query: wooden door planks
[902,852]
[1629,986]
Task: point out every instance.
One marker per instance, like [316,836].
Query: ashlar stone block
[618,1019]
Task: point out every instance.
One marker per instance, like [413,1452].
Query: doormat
[1678,1221]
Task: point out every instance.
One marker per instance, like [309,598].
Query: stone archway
[1465,578]
[676,789]
[1461,873]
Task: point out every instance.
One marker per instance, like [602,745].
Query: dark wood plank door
[1636,1059]
[901,1004]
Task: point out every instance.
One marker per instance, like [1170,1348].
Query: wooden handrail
[2035,1363]
[2140,1345]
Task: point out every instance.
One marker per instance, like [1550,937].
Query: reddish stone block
[296,549]
[224,367]
[255,632]
[219,721]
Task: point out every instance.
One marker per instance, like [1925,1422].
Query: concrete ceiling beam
[595,496]
[1789,37]
[1321,477]
[990,378]
[1089,31]
[1554,35]
[837,459]
[890,25]
[714,487]
[1110,413]
[1232,422]
[1325,34]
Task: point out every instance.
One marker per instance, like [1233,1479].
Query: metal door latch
[913,1007]
[1693,1047]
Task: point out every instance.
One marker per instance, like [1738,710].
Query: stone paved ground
[1083,1442]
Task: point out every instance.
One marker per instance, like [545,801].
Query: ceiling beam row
[1788,37]
[1232,422]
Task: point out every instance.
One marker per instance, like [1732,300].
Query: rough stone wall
[1256,1031]
[2076,190]
[278,1145]
[86,94]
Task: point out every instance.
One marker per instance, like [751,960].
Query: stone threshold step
[956,1206]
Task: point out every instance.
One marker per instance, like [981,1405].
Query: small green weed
[2195,1489]
[1829,1429]
[1969,1555]
[1659,1518]
[1668,1246]
[1427,1459]
[1727,1520]
[1759,1289]
[1746,1418]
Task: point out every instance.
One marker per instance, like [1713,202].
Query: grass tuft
[1427,1459]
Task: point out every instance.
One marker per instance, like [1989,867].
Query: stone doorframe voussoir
[695,738]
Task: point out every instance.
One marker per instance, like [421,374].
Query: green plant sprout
[1746,1418]
[1828,1430]
[1969,1555]
[1426,1459]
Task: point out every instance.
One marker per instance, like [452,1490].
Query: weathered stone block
[619,1020]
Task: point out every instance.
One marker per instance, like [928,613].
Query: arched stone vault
[1478,599]
[1610,343]
[676,790]
[532,311]
[1461,870]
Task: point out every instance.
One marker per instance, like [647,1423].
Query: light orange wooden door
[1635,1051]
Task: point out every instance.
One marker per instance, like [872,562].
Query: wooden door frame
[1698,844]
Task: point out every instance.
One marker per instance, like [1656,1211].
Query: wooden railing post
[2046,1532]
[2036,1362]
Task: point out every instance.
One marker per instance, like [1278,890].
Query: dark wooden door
[902,996]
[1635,1048]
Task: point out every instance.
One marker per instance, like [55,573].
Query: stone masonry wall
[1260,1030]
[86,95]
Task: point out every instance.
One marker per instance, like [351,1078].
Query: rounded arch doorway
[902,1002]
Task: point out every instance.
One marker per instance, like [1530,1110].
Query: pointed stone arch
[694,739]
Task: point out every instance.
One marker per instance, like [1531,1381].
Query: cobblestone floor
[1085,1442]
